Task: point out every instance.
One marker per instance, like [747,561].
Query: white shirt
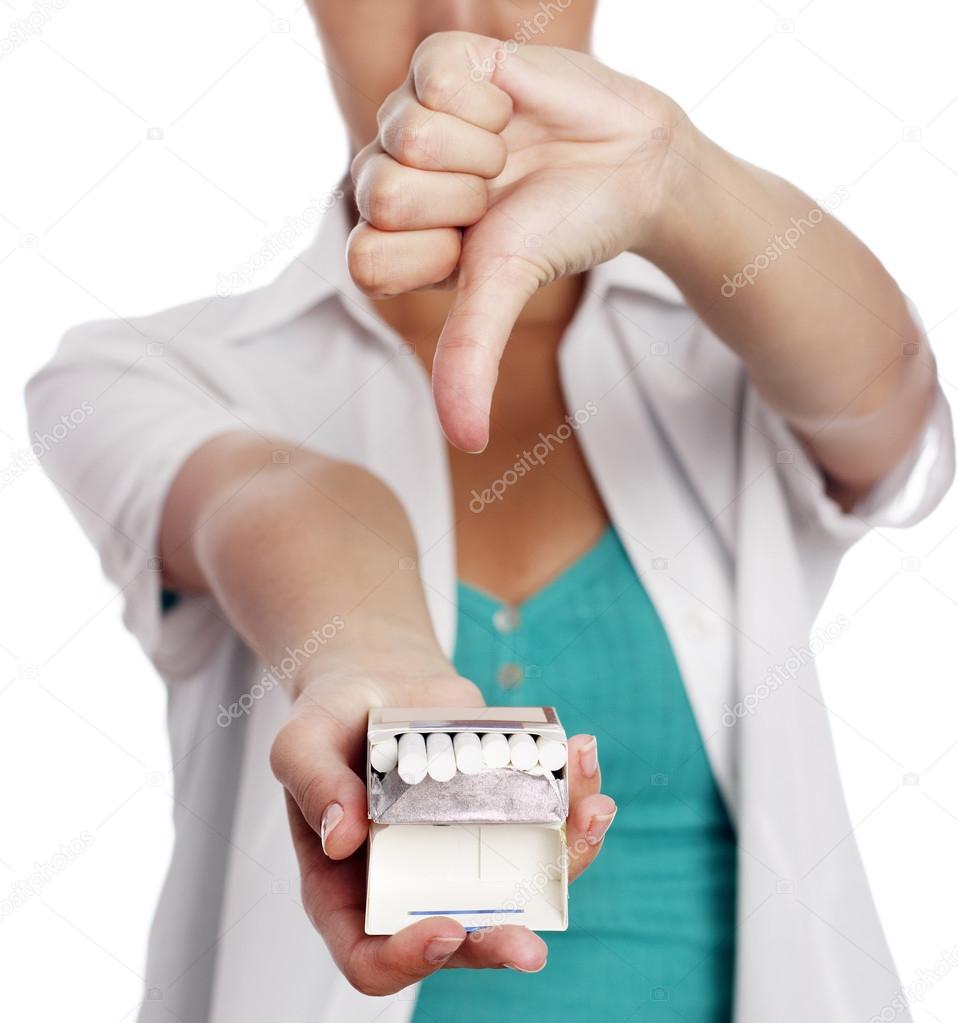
[723,516]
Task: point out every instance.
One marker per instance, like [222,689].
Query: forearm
[298,552]
[823,330]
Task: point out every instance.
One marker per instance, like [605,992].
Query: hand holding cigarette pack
[467,809]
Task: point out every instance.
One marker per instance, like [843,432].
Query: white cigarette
[552,753]
[468,749]
[522,751]
[495,749]
[412,758]
[384,755]
[440,759]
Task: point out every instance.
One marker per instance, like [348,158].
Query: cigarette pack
[467,810]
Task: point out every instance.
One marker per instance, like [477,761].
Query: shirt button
[510,675]
[701,624]
[506,619]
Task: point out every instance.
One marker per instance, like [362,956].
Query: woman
[672,390]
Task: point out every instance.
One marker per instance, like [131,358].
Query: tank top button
[506,619]
[510,675]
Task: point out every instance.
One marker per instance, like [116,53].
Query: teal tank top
[651,922]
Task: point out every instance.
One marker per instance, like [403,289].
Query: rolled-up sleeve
[113,416]
[911,491]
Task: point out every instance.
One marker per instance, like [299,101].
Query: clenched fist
[497,171]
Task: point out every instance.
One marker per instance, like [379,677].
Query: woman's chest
[527,505]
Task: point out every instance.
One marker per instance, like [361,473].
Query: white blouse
[723,515]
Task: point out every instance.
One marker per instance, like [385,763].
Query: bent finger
[432,140]
[583,771]
[452,72]
[393,197]
[516,948]
[588,824]
[387,263]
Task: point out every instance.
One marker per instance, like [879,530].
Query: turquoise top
[651,922]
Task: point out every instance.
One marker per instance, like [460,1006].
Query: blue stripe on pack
[460,912]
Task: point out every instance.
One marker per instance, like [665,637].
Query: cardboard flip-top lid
[385,722]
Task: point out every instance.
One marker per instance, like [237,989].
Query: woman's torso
[651,921]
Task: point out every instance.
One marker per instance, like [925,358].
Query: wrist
[384,651]
[672,205]
[348,687]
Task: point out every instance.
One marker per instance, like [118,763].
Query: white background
[99,218]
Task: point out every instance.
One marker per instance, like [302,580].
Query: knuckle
[364,985]
[281,753]
[312,798]
[363,982]
[439,89]
[512,273]
[365,157]
[356,980]
[367,266]
[384,202]
[355,166]
[413,144]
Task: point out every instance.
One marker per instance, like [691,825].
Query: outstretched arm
[315,555]
[824,331]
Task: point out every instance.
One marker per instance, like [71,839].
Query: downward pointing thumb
[490,295]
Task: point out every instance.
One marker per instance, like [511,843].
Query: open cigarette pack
[467,810]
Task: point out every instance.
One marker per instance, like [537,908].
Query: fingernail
[589,758]
[332,815]
[598,826]
[519,969]
[440,949]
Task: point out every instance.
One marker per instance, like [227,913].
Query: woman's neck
[419,315]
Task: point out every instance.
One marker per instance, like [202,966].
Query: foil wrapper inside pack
[493,796]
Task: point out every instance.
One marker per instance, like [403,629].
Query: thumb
[491,292]
[311,758]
